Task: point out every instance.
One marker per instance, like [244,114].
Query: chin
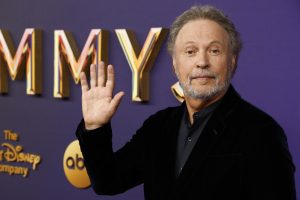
[204,92]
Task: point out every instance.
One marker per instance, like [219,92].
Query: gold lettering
[10,154]
[36,161]
[9,135]
[141,60]
[66,55]
[25,171]
[30,158]
[11,170]
[1,155]
[15,154]
[28,54]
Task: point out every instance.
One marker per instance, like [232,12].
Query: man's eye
[214,51]
[190,52]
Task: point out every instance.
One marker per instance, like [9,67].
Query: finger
[83,82]
[110,77]
[101,74]
[93,75]
[117,99]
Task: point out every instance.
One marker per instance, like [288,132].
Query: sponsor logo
[74,166]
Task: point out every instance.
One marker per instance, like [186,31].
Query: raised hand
[98,102]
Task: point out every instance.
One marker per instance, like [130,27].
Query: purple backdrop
[267,76]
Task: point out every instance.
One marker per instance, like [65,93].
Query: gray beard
[218,88]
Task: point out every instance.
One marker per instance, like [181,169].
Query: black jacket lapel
[168,155]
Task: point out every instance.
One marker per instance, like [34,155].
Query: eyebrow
[216,41]
[210,43]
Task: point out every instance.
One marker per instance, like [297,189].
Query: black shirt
[189,133]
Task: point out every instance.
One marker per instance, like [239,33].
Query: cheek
[179,73]
[183,73]
[220,66]
[181,68]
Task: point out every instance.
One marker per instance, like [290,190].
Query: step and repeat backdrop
[45,44]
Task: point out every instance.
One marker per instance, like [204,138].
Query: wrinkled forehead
[202,32]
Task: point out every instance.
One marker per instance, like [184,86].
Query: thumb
[117,99]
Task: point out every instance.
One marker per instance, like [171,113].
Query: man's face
[202,59]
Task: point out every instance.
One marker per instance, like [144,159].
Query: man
[214,146]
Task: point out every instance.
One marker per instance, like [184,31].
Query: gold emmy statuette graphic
[74,167]
[177,92]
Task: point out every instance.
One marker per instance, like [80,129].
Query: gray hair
[205,12]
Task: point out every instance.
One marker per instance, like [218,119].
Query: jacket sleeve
[270,169]
[113,172]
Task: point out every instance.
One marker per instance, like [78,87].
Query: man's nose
[202,60]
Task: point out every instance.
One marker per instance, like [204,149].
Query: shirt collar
[202,114]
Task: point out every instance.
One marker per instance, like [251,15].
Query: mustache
[202,74]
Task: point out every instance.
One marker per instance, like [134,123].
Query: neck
[195,105]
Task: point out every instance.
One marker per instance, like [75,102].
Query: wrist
[92,126]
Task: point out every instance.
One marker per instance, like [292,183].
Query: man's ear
[233,63]
[174,64]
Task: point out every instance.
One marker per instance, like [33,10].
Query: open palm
[98,102]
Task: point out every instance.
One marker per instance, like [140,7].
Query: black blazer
[242,154]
